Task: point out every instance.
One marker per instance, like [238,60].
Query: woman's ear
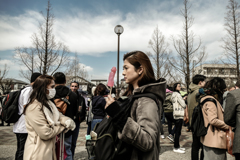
[140,70]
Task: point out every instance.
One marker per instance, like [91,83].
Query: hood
[95,99]
[193,87]
[168,91]
[158,88]
[61,91]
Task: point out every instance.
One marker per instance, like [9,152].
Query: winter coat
[72,109]
[43,127]
[216,135]
[180,103]
[142,128]
[232,116]
[168,106]
[191,100]
[224,99]
[98,107]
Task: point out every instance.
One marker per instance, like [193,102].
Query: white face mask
[52,93]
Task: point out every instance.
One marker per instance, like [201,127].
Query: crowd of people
[41,120]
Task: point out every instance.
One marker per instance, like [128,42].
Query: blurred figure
[198,82]
[232,118]
[74,86]
[63,91]
[19,128]
[98,104]
[178,118]
[43,121]
[230,87]
[214,142]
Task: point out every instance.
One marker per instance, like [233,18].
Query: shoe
[162,136]
[178,150]
[170,137]
[182,149]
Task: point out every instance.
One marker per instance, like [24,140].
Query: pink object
[111,77]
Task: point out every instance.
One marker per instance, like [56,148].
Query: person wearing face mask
[72,109]
[19,128]
[43,121]
[141,130]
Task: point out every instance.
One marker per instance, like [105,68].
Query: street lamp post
[118,30]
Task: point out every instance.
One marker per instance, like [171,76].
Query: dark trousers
[178,125]
[75,137]
[89,128]
[237,156]
[21,139]
[170,120]
[196,145]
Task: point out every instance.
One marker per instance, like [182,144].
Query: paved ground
[8,145]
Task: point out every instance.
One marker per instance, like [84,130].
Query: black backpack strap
[211,100]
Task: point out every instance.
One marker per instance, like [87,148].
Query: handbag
[230,137]
[178,110]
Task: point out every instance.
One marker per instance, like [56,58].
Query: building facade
[227,72]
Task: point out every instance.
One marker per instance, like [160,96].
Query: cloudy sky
[87,28]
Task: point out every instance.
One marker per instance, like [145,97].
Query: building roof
[217,66]
[14,81]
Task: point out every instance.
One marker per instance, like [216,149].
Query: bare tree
[160,53]
[5,84]
[188,55]
[46,55]
[232,38]
[75,69]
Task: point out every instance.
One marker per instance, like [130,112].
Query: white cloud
[94,34]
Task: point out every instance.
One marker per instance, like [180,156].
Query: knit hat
[35,76]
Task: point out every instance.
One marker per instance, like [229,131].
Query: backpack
[62,103]
[10,107]
[197,125]
[108,146]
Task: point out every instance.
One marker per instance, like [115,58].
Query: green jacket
[168,106]
[191,100]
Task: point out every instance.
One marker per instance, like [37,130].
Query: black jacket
[82,113]
[98,107]
[72,109]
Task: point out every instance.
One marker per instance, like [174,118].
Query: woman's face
[178,88]
[51,85]
[129,73]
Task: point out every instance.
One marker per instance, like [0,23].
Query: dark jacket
[191,100]
[82,113]
[98,107]
[142,128]
[168,105]
[72,109]
[232,116]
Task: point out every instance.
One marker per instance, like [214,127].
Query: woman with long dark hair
[142,129]
[214,142]
[43,121]
[98,104]
[178,114]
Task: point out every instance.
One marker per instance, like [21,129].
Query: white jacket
[178,105]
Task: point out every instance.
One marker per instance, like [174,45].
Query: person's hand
[109,100]
[70,124]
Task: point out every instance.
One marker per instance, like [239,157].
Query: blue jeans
[75,137]
[94,122]
[68,145]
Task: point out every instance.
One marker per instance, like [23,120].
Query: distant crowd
[125,127]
